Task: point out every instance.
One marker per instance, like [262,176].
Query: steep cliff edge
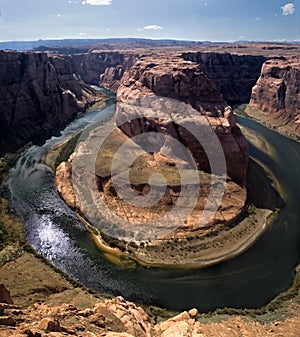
[172,77]
[277,94]
[38,94]
[234,75]
[103,67]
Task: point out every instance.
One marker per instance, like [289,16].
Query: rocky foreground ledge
[89,317]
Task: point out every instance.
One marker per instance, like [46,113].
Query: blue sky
[214,20]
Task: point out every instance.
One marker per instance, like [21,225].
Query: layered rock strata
[184,81]
[277,92]
[38,94]
[234,75]
[106,68]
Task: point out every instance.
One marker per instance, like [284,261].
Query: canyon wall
[106,68]
[234,75]
[38,94]
[277,92]
[91,65]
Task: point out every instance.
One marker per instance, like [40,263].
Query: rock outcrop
[234,75]
[63,180]
[120,318]
[5,295]
[172,77]
[277,92]
[38,94]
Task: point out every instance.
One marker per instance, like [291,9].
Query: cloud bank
[97,2]
[150,27]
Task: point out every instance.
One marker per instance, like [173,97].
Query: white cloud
[288,9]
[82,34]
[257,18]
[97,2]
[150,27]
[58,15]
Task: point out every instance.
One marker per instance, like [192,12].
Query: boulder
[5,295]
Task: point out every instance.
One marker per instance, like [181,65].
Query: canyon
[51,89]
[41,92]
[38,95]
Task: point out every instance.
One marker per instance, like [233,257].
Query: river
[247,281]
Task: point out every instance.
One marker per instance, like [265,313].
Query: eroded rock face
[172,77]
[277,91]
[112,75]
[38,94]
[91,65]
[234,75]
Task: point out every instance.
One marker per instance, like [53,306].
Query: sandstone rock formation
[91,65]
[5,295]
[234,74]
[277,92]
[170,76]
[63,180]
[103,67]
[38,94]
[120,318]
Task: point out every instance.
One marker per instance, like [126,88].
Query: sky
[200,20]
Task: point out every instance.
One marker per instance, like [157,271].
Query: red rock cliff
[234,75]
[38,94]
[101,66]
[277,91]
[168,75]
